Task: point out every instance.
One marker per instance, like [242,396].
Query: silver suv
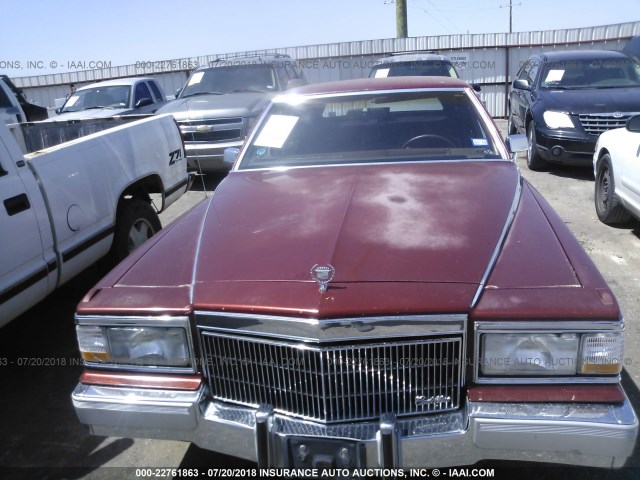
[220,103]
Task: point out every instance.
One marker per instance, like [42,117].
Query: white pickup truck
[65,207]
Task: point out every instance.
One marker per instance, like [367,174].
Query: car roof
[377,84]
[582,55]
[241,61]
[412,57]
[118,81]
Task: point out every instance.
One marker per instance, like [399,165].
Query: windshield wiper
[202,93]
[98,107]
[253,90]
[560,87]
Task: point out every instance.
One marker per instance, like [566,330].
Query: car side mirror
[57,110]
[521,84]
[633,124]
[231,155]
[294,83]
[178,91]
[517,143]
[143,102]
[476,87]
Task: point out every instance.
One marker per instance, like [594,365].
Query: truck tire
[608,206]
[137,222]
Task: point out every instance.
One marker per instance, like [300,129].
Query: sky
[43,37]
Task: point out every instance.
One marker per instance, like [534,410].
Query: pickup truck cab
[65,207]
[14,107]
[113,97]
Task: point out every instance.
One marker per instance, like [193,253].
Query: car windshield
[367,128]
[115,96]
[591,73]
[422,68]
[259,78]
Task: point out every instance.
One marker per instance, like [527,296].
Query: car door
[628,159]
[24,274]
[521,99]
[517,102]
[141,92]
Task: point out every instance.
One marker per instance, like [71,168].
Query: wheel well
[528,120]
[141,189]
[601,153]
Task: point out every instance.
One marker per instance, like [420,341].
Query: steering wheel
[428,135]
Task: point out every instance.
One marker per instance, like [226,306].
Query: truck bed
[35,136]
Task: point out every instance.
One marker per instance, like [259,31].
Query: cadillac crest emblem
[322,274]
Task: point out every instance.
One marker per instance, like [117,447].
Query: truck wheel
[136,223]
[534,160]
[608,206]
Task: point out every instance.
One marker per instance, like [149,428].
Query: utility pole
[401,19]
[510,16]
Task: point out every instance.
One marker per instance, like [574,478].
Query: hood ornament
[322,274]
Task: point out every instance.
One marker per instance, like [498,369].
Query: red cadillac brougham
[373,285]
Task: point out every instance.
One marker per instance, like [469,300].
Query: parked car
[14,107]
[220,103]
[67,206]
[564,100]
[121,96]
[373,282]
[416,63]
[617,171]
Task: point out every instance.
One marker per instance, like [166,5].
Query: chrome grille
[597,123]
[212,130]
[335,383]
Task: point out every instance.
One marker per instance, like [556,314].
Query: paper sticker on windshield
[195,78]
[382,73]
[276,131]
[554,76]
[479,142]
[71,101]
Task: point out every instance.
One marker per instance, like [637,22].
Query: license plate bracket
[324,453]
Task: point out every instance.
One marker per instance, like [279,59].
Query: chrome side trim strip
[503,236]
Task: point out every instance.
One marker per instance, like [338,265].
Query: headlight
[551,354]
[530,354]
[135,346]
[557,120]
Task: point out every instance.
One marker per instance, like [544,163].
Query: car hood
[89,114]
[404,239]
[604,100]
[240,104]
[424,222]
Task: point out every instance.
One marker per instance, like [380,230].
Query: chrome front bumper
[598,435]
[208,156]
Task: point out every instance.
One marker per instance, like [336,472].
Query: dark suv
[220,103]
[417,63]
[564,100]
